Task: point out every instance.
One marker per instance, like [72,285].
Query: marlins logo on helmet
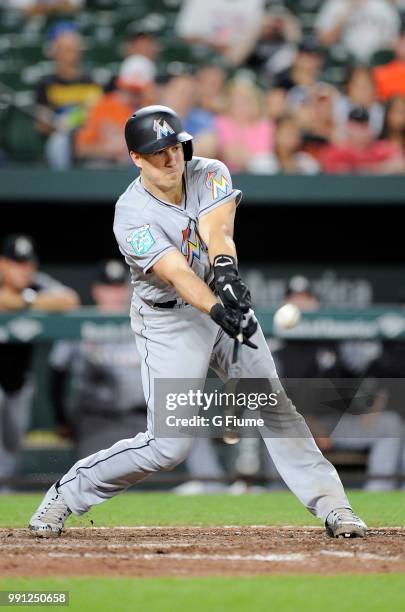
[162,128]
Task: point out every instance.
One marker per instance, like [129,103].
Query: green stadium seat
[177,52]
[11,21]
[19,139]
[12,79]
[166,6]
[102,53]
[30,54]
[101,5]
[85,22]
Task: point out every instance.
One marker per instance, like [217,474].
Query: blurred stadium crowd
[267,86]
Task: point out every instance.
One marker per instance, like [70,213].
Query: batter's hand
[229,286]
[233,322]
[249,325]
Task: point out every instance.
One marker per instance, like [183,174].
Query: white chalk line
[45,544]
[269,557]
[363,556]
[48,546]
[184,557]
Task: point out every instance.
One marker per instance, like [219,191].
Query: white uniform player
[174,226]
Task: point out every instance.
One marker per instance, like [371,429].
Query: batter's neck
[172,196]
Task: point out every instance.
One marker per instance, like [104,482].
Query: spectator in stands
[140,39]
[361,91]
[394,122]
[390,78]
[361,26]
[316,116]
[67,92]
[32,8]
[65,96]
[287,155]
[242,132]
[180,93]
[274,50]
[100,140]
[210,80]
[106,402]
[361,152]
[22,288]
[304,72]
[276,103]
[229,28]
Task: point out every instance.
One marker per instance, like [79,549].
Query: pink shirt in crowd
[257,138]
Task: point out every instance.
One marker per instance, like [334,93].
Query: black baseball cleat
[50,517]
[342,522]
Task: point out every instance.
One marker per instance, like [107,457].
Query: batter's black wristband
[225,265]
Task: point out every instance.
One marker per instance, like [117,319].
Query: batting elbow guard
[225,266]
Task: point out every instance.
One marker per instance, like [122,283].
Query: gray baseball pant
[183,343]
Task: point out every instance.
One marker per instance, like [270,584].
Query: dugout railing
[36,184]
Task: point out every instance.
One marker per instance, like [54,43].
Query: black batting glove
[229,286]
[233,323]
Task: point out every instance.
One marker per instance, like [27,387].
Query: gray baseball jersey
[182,343]
[147,228]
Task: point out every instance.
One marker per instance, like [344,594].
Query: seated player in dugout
[96,386]
[22,287]
[174,226]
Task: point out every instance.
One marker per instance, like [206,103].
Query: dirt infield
[199,551]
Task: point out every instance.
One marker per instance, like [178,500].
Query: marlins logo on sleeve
[218,184]
[216,187]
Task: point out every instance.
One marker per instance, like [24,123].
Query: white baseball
[287,316]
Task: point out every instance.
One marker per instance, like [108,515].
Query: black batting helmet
[153,128]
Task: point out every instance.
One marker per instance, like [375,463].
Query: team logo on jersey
[218,187]
[162,128]
[141,240]
[192,244]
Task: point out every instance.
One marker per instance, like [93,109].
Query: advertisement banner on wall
[337,286]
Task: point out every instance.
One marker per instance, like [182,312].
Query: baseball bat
[230,435]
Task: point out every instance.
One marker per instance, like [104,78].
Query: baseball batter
[174,226]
